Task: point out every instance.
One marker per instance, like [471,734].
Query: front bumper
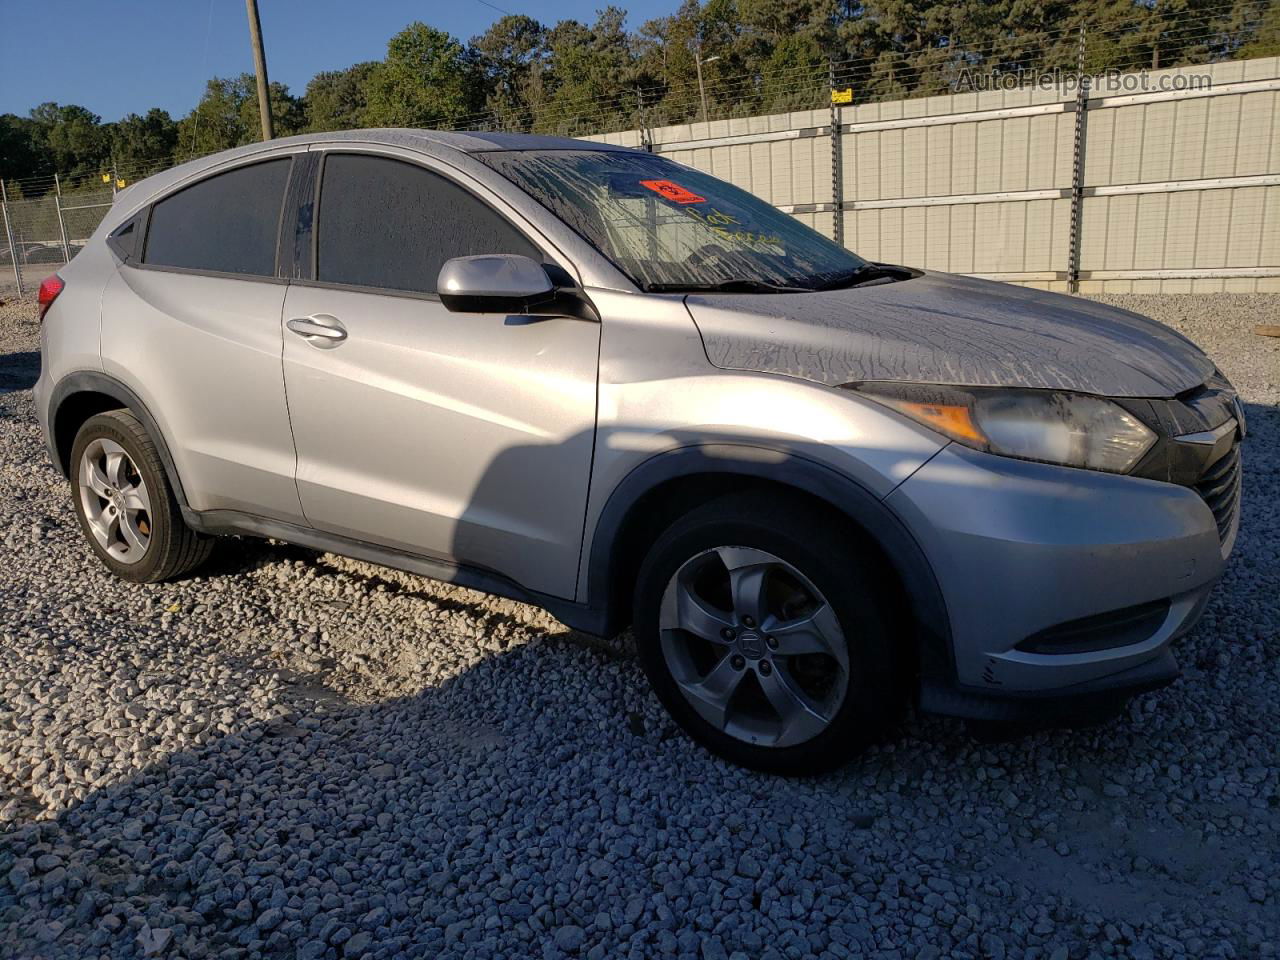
[1022,548]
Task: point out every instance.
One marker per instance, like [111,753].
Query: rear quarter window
[227,223]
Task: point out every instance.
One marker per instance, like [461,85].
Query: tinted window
[227,223]
[386,223]
[124,239]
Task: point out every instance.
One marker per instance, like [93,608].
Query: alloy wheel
[115,500]
[754,646]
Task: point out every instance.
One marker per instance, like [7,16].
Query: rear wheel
[763,632]
[125,504]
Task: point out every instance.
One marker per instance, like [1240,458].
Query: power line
[494,6]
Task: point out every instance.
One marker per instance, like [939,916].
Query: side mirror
[494,283]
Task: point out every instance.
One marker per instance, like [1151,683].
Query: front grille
[1219,485]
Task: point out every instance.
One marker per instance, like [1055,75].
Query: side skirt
[220,522]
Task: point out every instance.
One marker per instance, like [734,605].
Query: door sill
[232,522]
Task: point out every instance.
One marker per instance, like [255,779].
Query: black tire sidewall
[163,513]
[832,564]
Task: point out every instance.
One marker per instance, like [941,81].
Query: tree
[215,123]
[511,56]
[19,156]
[667,49]
[900,47]
[427,80]
[287,114]
[227,116]
[338,99]
[589,67]
[1264,30]
[71,138]
[140,143]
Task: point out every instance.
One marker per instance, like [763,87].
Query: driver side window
[389,224]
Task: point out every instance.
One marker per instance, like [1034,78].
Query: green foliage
[337,99]
[585,65]
[511,57]
[72,139]
[1266,39]
[757,56]
[427,80]
[227,116]
[18,154]
[137,142]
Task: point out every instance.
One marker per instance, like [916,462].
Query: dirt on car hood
[940,328]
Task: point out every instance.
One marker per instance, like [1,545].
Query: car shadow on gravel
[19,371]
[513,811]
[244,555]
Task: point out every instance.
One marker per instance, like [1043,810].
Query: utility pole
[260,67]
[702,91]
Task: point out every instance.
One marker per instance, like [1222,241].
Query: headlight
[1071,429]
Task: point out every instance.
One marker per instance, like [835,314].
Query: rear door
[192,324]
[462,437]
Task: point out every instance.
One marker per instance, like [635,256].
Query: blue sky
[125,56]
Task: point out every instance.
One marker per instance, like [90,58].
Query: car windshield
[670,227]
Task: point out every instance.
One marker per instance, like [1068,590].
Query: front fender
[799,472]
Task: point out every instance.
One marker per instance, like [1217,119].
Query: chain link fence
[44,233]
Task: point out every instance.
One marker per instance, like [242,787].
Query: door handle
[320,330]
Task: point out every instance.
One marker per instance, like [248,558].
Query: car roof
[434,143]
[469,142]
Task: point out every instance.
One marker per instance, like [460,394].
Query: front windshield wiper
[740,285]
[863,274]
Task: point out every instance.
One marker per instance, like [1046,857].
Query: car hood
[939,328]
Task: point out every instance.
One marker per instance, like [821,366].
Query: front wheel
[763,631]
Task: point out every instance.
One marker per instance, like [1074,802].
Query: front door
[464,437]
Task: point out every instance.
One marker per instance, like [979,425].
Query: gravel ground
[300,755]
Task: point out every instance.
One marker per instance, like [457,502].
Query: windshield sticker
[673,191]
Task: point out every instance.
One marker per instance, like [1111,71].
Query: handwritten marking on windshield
[720,222]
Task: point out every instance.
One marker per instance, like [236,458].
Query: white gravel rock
[300,754]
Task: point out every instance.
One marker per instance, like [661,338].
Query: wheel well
[70,417]
[655,511]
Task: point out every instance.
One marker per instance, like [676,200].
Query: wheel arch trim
[788,468]
[90,381]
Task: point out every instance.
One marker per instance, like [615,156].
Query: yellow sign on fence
[842,96]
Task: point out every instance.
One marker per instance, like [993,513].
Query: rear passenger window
[389,224]
[226,223]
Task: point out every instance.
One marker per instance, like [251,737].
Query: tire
[823,580]
[131,520]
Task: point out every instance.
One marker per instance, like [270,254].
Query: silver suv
[595,380]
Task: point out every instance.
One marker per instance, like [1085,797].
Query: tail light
[49,290]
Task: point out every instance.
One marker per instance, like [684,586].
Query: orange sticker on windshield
[672,191]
